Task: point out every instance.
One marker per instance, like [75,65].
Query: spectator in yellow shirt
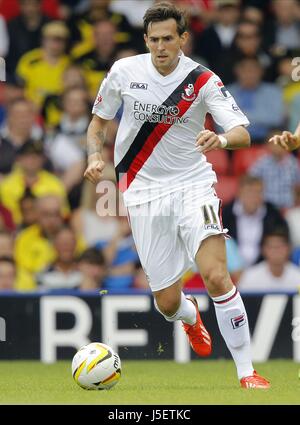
[98,61]
[29,174]
[34,250]
[41,69]
[81,27]
[22,280]
[52,109]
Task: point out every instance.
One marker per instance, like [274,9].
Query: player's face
[251,197]
[65,245]
[7,276]
[276,250]
[164,44]
[55,46]
[49,216]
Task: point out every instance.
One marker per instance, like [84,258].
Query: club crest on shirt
[99,99]
[189,93]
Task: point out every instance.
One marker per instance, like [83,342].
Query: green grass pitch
[149,382]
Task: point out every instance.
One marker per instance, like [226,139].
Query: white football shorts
[168,231]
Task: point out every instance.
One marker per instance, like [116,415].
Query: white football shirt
[155,151]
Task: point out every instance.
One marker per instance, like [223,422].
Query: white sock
[233,324]
[186,311]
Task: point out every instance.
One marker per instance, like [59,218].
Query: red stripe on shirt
[156,135]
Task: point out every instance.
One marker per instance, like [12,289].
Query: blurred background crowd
[57,53]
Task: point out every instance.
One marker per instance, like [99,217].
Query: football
[96,367]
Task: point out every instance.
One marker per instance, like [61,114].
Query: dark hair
[279,232]
[93,256]
[6,259]
[69,90]
[31,146]
[251,23]
[245,59]
[16,101]
[162,12]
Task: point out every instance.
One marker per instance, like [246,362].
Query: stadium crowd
[56,230]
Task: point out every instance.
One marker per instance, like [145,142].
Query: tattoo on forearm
[95,142]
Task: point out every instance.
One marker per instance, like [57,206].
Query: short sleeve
[108,100]
[222,106]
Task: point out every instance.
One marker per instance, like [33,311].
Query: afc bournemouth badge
[99,99]
[189,93]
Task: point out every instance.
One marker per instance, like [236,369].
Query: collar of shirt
[167,79]
[226,34]
[74,127]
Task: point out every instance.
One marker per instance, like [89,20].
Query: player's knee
[216,279]
[166,306]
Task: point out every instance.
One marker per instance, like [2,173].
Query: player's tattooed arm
[95,141]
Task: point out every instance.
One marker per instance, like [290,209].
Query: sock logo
[238,321]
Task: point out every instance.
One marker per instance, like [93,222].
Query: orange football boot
[198,336]
[255,381]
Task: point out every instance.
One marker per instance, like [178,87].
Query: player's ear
[184,38]
[146,40]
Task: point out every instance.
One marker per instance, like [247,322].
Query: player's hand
[94,171]
[286,140]
[207,140]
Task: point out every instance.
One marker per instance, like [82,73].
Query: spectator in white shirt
[280,172]
[292,217]
[248,217]
[276,272]
[66,148]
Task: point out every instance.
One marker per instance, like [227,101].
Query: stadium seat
[219,160]
[226,188]
[244,158]
[193,280]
